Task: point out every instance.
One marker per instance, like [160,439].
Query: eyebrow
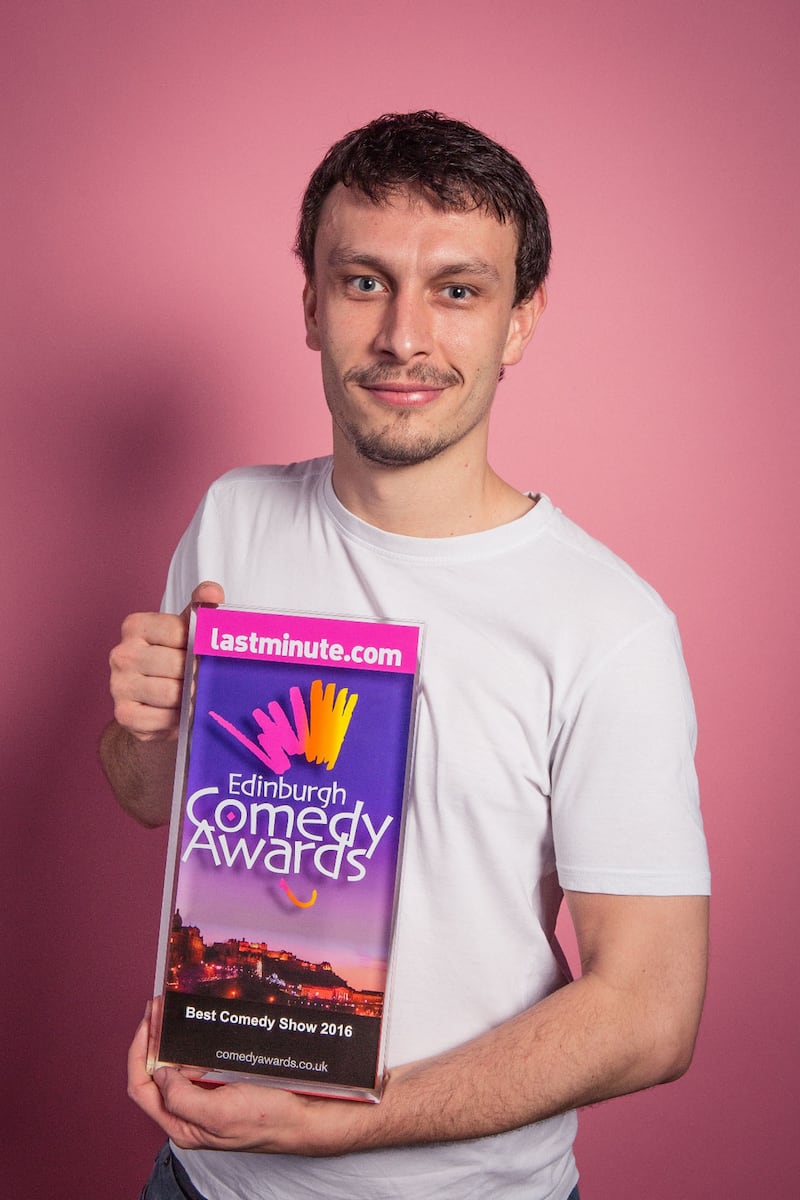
[475,267]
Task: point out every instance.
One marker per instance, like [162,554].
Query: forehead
[407,225]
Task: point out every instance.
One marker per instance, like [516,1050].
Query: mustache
[422,373]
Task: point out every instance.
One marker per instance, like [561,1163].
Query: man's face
[412,310]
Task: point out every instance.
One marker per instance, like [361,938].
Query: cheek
[478,349]
[461,339]
[344,335]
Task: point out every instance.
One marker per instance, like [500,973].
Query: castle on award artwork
[253,971]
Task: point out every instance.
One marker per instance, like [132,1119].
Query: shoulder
[250,506]
[270,480]
[250,497]
[588,581]
[270,492]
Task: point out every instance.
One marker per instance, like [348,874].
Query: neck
[448,496]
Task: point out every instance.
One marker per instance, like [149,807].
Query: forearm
[579,1046]
[629,1022]
[140,772]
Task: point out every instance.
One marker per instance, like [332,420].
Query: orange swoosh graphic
[293,898]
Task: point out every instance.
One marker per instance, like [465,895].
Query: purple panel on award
[284,849]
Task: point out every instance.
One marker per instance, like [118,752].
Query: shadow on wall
[106,473]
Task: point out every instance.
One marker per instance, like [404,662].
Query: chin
[386,453]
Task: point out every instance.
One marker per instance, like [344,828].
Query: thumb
[207,592]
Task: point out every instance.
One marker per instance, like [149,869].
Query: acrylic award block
[284,850]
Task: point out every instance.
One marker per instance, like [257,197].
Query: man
[555,733]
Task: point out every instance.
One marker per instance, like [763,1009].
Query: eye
[458,291]
[366,284]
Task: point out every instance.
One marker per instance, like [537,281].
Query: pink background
[155,157]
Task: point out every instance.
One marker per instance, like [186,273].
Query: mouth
[399,395]
[417,387]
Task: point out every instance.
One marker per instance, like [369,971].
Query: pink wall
[156,156]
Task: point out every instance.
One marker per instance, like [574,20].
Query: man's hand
[137,749]
[147,668]
[239,1116]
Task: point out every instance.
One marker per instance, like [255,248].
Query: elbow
[675,1065]
[673,1050]
[145,819]
[674,1024]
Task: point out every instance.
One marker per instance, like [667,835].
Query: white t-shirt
[555,748]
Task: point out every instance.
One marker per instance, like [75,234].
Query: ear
[310,311]
[524,318]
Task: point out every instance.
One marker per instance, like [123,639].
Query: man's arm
[137,749]
[629,1022]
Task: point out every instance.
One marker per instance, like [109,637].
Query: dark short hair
[451,164]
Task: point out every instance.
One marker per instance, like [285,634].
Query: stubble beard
[384,448]
[390,446]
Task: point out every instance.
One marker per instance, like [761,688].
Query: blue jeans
[169,1181]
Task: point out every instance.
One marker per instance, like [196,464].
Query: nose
[405,329]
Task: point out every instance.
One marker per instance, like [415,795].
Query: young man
[555,734]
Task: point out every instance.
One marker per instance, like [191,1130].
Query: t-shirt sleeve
[185,569]
[624,802]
